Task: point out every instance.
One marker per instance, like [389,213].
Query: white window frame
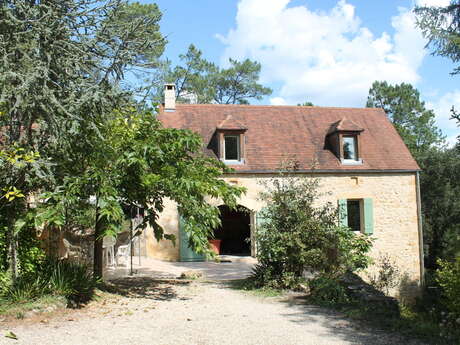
[357,161]
[238,143]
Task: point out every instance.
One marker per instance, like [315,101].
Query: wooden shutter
[368,216]
[343,212]
[186,253]
[260,218]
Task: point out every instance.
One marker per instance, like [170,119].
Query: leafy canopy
[403,106]
[208,83]
[296,233]
[441,25]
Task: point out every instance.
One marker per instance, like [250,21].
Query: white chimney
[170,97]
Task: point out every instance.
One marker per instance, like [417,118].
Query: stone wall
[394,206]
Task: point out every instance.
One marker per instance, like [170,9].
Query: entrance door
[185,252]
[235,231]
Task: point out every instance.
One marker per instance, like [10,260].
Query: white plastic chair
[108,243]
[124,251]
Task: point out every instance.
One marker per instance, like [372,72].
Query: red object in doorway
[215,246]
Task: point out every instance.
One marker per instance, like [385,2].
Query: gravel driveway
[196,313]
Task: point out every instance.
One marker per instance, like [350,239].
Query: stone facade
[394,208]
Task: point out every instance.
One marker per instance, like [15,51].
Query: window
[232,148]
[343,139]
[350,148]
[357,214]
[354,215]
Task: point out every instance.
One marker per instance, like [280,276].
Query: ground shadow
[145,287]
[300,310]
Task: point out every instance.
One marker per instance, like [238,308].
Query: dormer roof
[231,124]
[344,125]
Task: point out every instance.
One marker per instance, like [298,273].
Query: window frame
[366,213]
[240,146]
[355,136]
[361,215]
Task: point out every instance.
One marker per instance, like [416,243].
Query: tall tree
[207,83]
[62,72]
[138,163]
[440,204]
[408,113]
[441,25]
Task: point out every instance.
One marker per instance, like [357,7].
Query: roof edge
[326,171]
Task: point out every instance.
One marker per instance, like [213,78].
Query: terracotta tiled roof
[231,124]
[275,133]
[344,125]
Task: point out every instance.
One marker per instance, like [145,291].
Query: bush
[54,277]
[327,291]
[296,235]
[448,278]
[387,277]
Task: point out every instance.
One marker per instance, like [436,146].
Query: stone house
[356,153]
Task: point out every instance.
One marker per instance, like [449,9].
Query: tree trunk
[98,238]
[13,251]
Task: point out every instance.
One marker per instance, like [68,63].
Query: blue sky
[325,51]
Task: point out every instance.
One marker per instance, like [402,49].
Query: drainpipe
[420,230]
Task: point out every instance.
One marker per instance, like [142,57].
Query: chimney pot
[170,97]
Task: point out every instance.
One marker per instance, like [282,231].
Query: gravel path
[193,314]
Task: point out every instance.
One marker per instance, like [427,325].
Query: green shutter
[260,218]
[186,253]
[368,217]
[343,213]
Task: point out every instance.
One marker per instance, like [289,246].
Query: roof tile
[277,133]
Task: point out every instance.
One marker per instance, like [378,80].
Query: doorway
[235,231]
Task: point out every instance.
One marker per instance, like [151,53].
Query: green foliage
[305,104]
[440,204]
[63,69]
[325,290]
[388,275]
[414,123]
[140,163]
[53,277]
[441,26]
[210,84]
[298,235]
[448,278]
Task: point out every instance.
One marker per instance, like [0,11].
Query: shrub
[327,291]
[448,278]
[54,277]
[296,235]
[388,275]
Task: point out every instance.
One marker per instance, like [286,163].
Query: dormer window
[350,148]
[230,135]
[343,140]
[232,149]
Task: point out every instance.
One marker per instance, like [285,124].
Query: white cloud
[435,3]
[277,101]
[442,107]
[328,58]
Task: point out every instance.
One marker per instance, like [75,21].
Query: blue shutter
[186,253]
[343,212]
[368,216]
[260,218]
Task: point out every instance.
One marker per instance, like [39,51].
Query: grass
[19,310]
[409,323]
[247,285]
